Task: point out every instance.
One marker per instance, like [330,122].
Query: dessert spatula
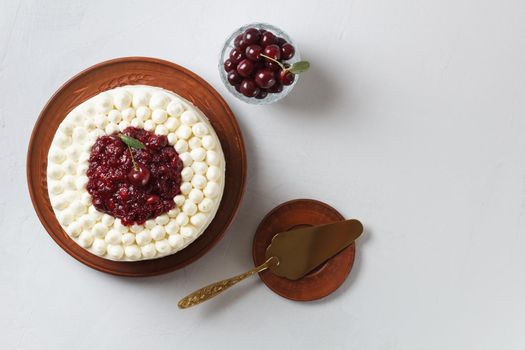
[291,254]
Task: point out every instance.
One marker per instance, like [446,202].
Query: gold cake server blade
[291,254]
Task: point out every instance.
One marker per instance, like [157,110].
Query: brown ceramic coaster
[323,280]
[138,71]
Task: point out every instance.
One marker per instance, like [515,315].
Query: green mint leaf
[131,142]
[299,67]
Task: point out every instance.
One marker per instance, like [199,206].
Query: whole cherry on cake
[257,65]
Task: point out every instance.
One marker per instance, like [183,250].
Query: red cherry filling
[156,142]
[134,194]
[153,199]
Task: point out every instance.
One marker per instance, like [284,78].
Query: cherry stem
[135,167]
[274,60]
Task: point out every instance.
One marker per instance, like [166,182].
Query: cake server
[291,254]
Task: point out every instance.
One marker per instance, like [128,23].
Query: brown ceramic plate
[323,280]
[138,71]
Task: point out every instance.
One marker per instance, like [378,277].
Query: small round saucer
[323,280]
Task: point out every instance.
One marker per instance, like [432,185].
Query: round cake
[135,173]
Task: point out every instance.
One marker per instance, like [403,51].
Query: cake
[141,199]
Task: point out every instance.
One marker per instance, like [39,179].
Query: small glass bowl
[225,54]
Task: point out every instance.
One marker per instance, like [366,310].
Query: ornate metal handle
[216,288]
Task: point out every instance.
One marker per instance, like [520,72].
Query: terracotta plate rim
[274,285]
[44,220]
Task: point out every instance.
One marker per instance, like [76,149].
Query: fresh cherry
[272,65]
[268,38]
[261,94]
[245,68]
[234,78]
[252,52]
[287,51]
[139,175]
[273,51]
[251,36]
[276,88]
[286,77]
[237,41]
[258,63]
[281,41]
[249,88]
[243,45]
[236,55]
[229,65]
[265,78]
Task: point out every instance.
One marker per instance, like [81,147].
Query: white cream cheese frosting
[153,109]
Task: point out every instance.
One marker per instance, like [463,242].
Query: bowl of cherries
[260,63]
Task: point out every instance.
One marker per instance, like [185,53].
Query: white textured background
[412,119]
